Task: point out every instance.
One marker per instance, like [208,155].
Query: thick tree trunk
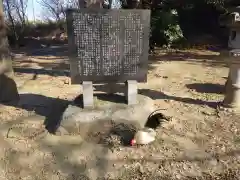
[8,88]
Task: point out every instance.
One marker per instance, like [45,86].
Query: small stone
[141,170]
[206,113]
[185,167]
[213,162]
[223,149]
[178,176]
[67,81]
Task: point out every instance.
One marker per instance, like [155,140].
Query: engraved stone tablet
[108,45]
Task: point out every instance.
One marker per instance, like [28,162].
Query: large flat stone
[74,116]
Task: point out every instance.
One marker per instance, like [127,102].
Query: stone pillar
[88,85]
[87,94]
[131,92]
[232,86]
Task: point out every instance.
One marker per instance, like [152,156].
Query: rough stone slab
[74,116]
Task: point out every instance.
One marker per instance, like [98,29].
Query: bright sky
[33,8]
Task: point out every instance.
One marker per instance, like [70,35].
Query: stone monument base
[106,107]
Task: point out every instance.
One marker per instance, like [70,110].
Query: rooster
[156,119]
[148,134]
[143,137]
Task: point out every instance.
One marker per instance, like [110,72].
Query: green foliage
[165,28]
[170,18]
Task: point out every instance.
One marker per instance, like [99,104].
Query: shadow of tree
[52,109]
[159,95]
[217,60]
[42,71]
[49,108]
[115,98]
[53,50]
[43,46]
[207,88]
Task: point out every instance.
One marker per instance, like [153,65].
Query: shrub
[165,30]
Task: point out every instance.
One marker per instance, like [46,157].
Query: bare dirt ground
[199,143]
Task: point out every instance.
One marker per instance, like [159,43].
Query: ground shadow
[159,95]
[207,88]
[53,50]
[112,92]
[110,87]
[53,108]
[50,108]
[42,71]
[41,104]
[116,98]
[42,47]
[190,57]
[104,97]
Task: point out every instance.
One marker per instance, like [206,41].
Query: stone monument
[232,86]
[108,46]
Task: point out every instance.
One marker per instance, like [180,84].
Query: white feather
[145,136]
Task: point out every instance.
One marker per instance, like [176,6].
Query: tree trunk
[16,36]
[8,88]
